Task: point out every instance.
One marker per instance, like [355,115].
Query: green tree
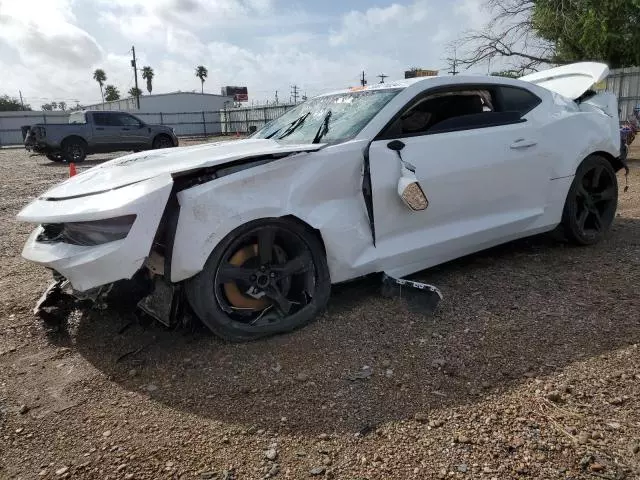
[528,33]
[100,77]
[62,106]
[134,92]
[201,73]
[147,74]
[111,93]
[604,30]
[54,105]
[11,104]
[47,107]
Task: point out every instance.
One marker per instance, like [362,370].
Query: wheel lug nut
[273,274]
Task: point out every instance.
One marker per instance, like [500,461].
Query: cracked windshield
[328,119]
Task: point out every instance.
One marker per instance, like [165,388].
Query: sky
[50,48]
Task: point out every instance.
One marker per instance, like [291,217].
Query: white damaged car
[393,178]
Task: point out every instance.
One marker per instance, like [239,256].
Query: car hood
[141,166]
[570,81]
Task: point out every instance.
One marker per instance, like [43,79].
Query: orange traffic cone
[72,169]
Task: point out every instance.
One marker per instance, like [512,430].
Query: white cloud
[242,42]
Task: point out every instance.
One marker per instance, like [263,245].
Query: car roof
[439,80]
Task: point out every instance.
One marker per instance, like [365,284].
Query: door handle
[523,143]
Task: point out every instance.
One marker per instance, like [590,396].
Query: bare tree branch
[509,35]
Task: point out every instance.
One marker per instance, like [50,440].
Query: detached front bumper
[87,267]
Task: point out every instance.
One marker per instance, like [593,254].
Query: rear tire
[229,295]
[74,150]
[591,203]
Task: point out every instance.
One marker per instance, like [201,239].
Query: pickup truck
[96,132]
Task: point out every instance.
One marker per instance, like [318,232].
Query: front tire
[162,141]
[591,203]
[267,277]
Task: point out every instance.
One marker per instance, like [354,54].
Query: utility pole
[276,97]
[21,102]
[135,74]
[294,93]
[363,81]
[454,70]
[382,76]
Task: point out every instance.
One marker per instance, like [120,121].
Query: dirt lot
[531,369]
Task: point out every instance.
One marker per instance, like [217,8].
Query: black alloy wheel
[267,277]
[592,202]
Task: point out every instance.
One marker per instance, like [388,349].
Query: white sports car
[393,178]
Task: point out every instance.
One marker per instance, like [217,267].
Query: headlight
[88,233]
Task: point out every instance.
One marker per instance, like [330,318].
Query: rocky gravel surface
[529,370]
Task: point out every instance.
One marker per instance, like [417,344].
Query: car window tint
[101,119]
[124,120]
[449,111]
[519,100]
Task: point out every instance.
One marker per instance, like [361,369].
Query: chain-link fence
[185,124]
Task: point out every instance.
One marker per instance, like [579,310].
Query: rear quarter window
[514,99]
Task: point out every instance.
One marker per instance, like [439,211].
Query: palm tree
[147,74]
[134,92]
[111,93]
[100,77]
[201,73]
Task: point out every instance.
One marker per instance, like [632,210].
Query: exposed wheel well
[73,138]
[159,135]
[312,230]
[616,163]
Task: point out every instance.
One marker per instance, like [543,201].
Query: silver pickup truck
[96,132]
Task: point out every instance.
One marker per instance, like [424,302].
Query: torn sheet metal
[421,296]
[165,303]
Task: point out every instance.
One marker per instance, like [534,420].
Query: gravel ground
[530,369]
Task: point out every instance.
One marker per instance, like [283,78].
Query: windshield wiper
[324,128]
[294,125]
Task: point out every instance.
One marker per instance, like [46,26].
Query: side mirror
[410,191]
[395,145]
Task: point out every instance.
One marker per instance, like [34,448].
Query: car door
[105,134]
[131,133]
[480,166]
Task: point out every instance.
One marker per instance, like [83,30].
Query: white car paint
[570,81]
[485,187]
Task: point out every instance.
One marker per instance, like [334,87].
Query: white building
[189,113]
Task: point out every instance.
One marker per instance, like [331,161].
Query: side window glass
[101,119]
[426,114]
[519,100]
[452,111]
[127,120]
